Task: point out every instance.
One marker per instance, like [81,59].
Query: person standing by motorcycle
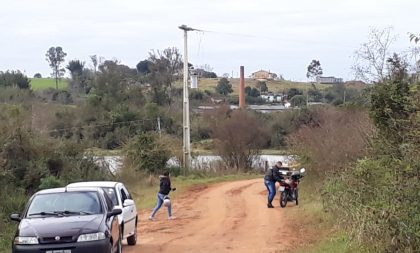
[272,175]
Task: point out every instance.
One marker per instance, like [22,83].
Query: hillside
[273,86]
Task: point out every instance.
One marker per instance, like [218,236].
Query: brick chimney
[242,88]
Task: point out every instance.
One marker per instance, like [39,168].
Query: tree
[293,92]
[262,86]
[314,69]
[316,95]
[143,67]
[55,57]
[14,79]
[298,100]
[414,37]
[76,68]
[37,75]
[165,67]
[239,139]
[224,87]
[370,59]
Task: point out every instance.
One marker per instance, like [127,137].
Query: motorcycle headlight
[26,240]
[91,237]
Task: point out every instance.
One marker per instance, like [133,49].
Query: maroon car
[68,220]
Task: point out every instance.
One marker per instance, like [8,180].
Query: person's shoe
[151,218]
[172,218]
[269,205]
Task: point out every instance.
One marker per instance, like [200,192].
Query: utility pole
[186,104]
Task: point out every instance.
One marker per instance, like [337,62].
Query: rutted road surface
[226,217]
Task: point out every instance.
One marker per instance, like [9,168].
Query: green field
[45,83]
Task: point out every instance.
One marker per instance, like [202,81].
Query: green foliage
[14,79]
[143,67]
[293,92]
[145,153]
[262,86]
[50,182]
[298,100]
[314,69]
[252,92]
[391,109]
[376,201]
[315,95]
[224,87]
[38,75]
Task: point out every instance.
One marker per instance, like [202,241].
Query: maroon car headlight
[91,237]
[26,240]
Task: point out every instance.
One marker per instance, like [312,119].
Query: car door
[128,212]
[112,223]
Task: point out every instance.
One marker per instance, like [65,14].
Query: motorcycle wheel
[283,199]
[297,196]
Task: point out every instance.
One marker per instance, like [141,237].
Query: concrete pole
[242,88]
[186,104]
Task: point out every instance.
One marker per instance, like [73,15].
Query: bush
[239,139]
[145,153]
[50,182]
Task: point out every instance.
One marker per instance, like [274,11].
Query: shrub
[145,153]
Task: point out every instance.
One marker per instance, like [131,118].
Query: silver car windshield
[65,203]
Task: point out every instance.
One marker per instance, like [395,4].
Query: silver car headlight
[26,240]
[91,237]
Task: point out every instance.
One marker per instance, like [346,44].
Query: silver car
[121,199]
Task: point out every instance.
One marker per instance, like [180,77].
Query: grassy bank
[45,83]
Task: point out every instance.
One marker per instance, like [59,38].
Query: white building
[328,79]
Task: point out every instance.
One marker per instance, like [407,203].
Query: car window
[123,195]
[85,202]
[109,204]
[110,192]
[127,193]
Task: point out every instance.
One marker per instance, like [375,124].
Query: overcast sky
[281,36]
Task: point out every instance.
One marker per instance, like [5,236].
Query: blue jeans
[159,203]
[271,187]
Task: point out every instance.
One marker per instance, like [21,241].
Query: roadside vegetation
[365,161]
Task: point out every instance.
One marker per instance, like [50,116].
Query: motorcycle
[289,186]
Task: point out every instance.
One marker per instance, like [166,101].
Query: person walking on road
[165,188]
[272,175]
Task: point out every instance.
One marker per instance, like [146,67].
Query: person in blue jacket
[164,189]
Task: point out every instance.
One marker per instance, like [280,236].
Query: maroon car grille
[61,239]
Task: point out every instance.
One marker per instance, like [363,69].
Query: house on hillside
[264,75]
[328,79]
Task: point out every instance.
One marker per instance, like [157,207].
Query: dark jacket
[165,185]
[273,174]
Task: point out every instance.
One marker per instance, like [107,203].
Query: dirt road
[226,217]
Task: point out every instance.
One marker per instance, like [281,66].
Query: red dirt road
[226,217]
